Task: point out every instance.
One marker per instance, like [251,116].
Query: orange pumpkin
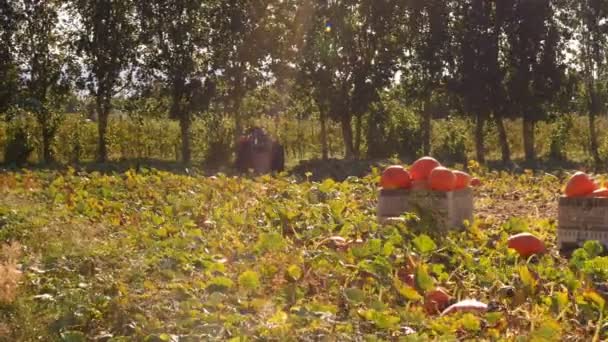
[421,169]
[601,192]
[579,185]
[463,180]
[526,244]
[436,300]
[442,179]
[395,177]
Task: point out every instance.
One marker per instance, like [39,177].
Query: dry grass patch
[10,275]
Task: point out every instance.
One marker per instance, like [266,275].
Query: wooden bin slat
[582,219]
[451,209]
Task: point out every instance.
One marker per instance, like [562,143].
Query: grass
[158,256]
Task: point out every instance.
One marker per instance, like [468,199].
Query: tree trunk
[103,112]
[504,141]
[47,137]
[43,119]
[184,125]
[179,111]
[236,104]
[479,139]
[347,136]
[357,147]
[238,124]
[324,147]
[426,128]
[529,151]
[594,110]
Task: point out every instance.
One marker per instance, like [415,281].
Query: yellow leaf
[406,291]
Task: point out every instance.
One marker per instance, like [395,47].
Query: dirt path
[513,205]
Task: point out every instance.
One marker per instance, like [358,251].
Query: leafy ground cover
[156,256]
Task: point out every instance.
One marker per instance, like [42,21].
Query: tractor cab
[257,151]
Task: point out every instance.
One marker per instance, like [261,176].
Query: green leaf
[249,280]
[423,280]
[220,284]
[579,256]
[494,317]
[322,307]
[388,249]
[470,322]
[280,317]
[526,277]
[384,320]
[354,295]
[73,336]
[270,242]
[597,268]
[593,248]
[374,246]
[381,319]
[549,330]
[157,220]
[294,272]
[327,185]
[162,232]
[424,244]
[561,300]
[595,298]
[406,291]
[239,339]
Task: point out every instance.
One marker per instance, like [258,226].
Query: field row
[161,257]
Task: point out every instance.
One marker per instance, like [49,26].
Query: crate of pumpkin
[582,212]
[429,190]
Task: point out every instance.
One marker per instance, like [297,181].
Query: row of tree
[487,59]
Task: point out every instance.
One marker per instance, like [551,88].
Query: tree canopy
[485,60]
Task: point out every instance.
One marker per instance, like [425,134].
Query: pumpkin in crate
[395,177]
[580,185]
[421,169]
[463,180]
[442,179]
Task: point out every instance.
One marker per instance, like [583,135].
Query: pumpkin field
[157,256]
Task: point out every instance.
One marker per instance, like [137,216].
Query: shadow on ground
[340,169]
[117,167]
[315,169]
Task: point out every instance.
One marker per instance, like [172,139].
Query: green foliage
[225,257]
[76,140]
[269,242]
[589,261]
[19,140]
[424,244]
[559,138]
[216,135]
[451,145]
[398,126]
[249,280]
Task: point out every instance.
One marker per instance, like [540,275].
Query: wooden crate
[449,209]
[580,220]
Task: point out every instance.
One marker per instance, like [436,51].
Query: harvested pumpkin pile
[427,187]
[426,174]
[582,212]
